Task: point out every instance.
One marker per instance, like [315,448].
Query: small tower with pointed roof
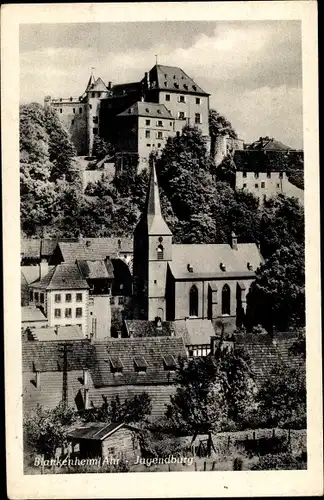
[95,91]
[152,252]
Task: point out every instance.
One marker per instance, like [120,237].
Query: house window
[147,134]
[36,296]
[73,110]
[147,122]
[112,301]
[140,364]
[182,98]
[244,185]
[79,297]
[167,97]
[61,110]
[244,174]
[226,300]
[41,298]
[95,130]
[160,252]
[159,123]
[68,312]
[80,111]
[262,184]
[78,312]
[169,362]
[256,175]
[197,118]
[197,100]
[193,301]
[256,185]
[160,135]
[269,175]
[57,313]
[68,297]
[57,298]
[181,115]
[116,365]
[31,295]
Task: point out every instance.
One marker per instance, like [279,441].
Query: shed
[107,441]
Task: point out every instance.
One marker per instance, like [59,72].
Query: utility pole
[65,349]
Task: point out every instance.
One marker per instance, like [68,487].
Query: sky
[252,69]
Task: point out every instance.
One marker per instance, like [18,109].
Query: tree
[212,390]
[101,148]
[277,297]
[131,410]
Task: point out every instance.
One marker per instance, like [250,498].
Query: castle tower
[95,91]
[152,252]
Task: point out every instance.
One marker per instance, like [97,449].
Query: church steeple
[155,222]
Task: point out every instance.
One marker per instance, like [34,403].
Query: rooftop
[61,333]
[219,260]
[97,431]
[62,277]
[175,79]
[148,109]
[32,313]
[94,248]
[96,269]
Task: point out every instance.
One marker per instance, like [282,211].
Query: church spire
[156,223]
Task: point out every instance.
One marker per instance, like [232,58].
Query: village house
[173,281]
[262,169]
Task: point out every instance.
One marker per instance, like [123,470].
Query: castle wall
[73,116]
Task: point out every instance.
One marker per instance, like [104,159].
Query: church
[182,281]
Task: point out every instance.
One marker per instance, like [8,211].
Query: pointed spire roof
[91,81]
[155,222]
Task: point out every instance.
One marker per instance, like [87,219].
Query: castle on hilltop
[138,117]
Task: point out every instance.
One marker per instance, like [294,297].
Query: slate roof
[96,85]
[62,277]
[268,144]
[97,431]
[206,259]
[250,160]
[152,349]
[144,328]
[47,356]
[31,273]
[123,89]
[72,332]
[96,269]
[148,109]
[35,248]
[95,248]
[175,79]
[195,331]
[32,313]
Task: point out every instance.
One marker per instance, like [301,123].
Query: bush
[282,461]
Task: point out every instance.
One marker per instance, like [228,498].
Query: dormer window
[169,362]
[140,364]
[159,111]
[147,110]
[190,268]
[194,87]
[116,366]
[249,266]
[176,85]
[222,266]
[185,86]
[160,252]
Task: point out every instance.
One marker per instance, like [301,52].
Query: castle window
[147,110]
[61,110]
[182,98]
[263,184]
[93,94]
[244,185]
[95,130]
[193,301]
[147,134]
[80,111]
[226,300]
[95,119]
[194,87]
[148,145]
[72,122]
[147,122]
[73,110]
[181,115]
[244,174]
[197,100]
[167,97]
[158,111]
[197,118]
[280,175]
[278,185]
[159,144]
[256,175]
[256,185]
[160,252]
[269,175]
[90,106]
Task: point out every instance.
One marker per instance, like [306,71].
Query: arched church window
[226,300]
[193,301]
[160,252]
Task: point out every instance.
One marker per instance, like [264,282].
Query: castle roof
[216,261]
[174,79]
[98,86]
[155,222]
[268,144]
[148,109]
[90,82]
[62,277]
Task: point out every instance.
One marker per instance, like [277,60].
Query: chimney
[109,86]
[85,377]
[43,268]
[233,241]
